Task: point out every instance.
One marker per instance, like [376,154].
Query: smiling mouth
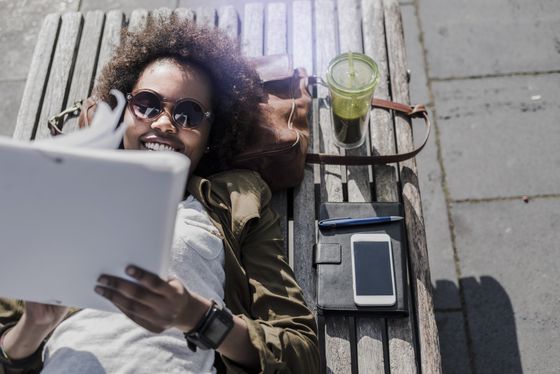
[150,146]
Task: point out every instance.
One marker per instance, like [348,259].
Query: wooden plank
[325,39]
[138,20]
[304,194]
[163,14]
[111,38]
[337,344]
[400,332]
[37,78]
[418,255]
[184,13]
[369,330]
[252,42]
[206,17]
[229,21]
[61,70]
[337,330]
[276,43]
[84,68]
[276,29]
[302,28]
[381,124]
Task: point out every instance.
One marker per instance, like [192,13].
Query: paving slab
[415,56]
[453,343]
[10,98]
[481,37]
[20,22]
[500,136]
[508,253]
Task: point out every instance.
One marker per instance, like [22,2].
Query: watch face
[216,330]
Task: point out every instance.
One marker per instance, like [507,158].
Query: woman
[188,91]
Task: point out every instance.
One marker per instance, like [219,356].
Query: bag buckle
[56,122]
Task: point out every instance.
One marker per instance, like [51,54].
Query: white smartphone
[373,276]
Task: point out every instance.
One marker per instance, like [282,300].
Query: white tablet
[68,215]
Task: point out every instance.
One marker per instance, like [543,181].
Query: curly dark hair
[236,86]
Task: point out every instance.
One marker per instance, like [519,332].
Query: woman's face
[173,81]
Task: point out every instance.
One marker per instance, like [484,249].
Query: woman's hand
[44,314]
[36,323]
[153,303]
[157,305]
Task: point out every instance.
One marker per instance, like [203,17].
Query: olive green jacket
[260,286]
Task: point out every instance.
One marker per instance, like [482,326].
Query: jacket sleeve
[282,327]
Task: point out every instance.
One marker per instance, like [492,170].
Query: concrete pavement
[490,72]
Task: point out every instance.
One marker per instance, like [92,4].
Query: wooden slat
[304,194]
[337,344]
[229,21]
[276,29]
[400,332]
[381,124]
[61,70]
[206,17]
[369,330]
[37,78]
[252,42]
[138,20]
[420,271]
[350,39]
[111,38]
[275,36]
[337,331]
[84,68]
[325,39]
[162,14]
[184,13]
[302,29]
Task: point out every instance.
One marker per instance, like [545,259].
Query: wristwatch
[211,330]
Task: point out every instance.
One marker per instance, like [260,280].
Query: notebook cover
[333,259]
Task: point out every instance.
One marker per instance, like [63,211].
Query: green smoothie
[352,78]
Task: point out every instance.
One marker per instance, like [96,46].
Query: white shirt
[95,341]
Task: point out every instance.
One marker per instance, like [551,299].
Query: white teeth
[158,147]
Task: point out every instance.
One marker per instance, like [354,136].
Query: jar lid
[352,73]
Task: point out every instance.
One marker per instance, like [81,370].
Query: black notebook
[333,259]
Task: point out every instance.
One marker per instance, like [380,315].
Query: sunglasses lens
[187,113]
[146,105]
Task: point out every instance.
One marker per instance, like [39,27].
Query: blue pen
[332,223]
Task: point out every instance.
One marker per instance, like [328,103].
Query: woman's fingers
[150,301]
[148,279]
[131,289]
[143,314]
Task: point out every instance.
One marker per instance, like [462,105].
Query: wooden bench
[72,48]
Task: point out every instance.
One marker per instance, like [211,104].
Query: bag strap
[418,111]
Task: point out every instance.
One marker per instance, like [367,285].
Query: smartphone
[373,276]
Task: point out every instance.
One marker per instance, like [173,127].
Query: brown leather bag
[278,145]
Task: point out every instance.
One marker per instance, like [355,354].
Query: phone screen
[372,268]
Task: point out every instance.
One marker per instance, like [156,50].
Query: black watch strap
[211,330]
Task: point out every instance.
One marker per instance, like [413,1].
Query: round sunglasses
[148,105]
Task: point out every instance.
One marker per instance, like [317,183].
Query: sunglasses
[148,105]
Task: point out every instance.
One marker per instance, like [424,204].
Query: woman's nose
[163,123]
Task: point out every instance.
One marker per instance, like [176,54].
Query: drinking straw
[352,69]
